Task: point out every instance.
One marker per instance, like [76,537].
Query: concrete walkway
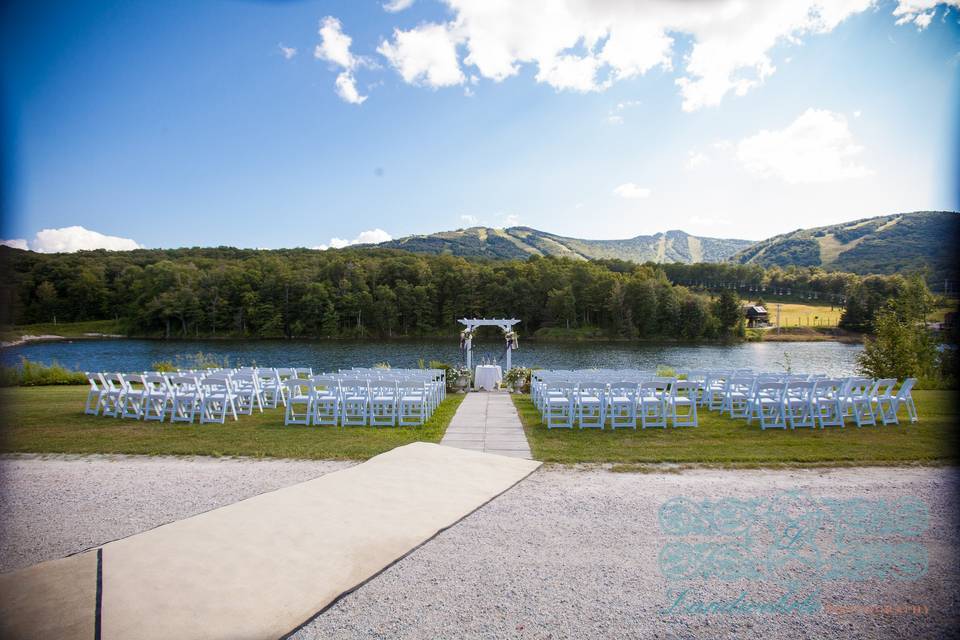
[488,422]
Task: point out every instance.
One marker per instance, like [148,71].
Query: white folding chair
[95,395]
[882,400]
[113,393]
[158,398]
[218,399]
[622,405]
[413,401]
[187,398]
[856,402]
[905,398]
[737,395]
[590,404]
[134,395]
[325,401]
[383,403]
[246,392]
[825,401]
[798,404]
[682,403]
[299,401]
[768,405]
[354,402]
[652,404]
[271,388]
[560,401]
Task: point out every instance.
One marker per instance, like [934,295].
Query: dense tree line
[382,293]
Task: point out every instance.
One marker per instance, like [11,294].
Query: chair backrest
[905,388]
[184,384]
[128,380]
[655,387]
[624,388]
[297,387]
[325,385]
[155,382]
[827,389]
[95,380]
[883,388]
[355,386]
[771,390]
[686,388]
[857,387]
[799,389]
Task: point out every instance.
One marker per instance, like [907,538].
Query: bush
[900,349]
[33,374]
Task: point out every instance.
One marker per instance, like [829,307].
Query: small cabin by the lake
[756,316]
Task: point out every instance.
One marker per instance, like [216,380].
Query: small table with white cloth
[487,377]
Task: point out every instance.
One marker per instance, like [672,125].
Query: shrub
[34,374]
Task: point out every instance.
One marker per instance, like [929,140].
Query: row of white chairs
[593,399]
[213,395]
[356,401]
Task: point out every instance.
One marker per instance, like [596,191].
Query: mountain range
[523,242]
[884,244]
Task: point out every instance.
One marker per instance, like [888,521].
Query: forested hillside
[896,243]
[523,242]
[354,293]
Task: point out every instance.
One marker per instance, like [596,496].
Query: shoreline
[28,339]
[785,337]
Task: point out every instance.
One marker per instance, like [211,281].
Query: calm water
[137,355]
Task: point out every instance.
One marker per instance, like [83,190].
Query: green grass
[731,443]
[65,329]
[51,420]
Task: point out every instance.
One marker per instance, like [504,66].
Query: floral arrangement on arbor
[512,339]
[465,336]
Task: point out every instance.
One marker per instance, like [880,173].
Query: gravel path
[53,506]
[567,553]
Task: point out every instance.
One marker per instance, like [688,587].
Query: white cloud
[334,47]
[588,45]
[16,243]
[77,238]
[816,147]
[393,6]
[632,191]
[287,52]
[696,159]
[469,220]
[346,87]
[857,113]
[371,236]
[424,55]
[920,12]
[614,119]
[334,44]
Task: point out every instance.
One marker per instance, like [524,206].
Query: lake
[832,358]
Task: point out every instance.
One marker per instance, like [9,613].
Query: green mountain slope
[522,242]
[885,244]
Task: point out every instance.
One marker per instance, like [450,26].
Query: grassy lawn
[804,315]
[51,420]
[726,442]
[65,329]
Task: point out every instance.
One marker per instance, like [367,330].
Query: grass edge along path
[51,420]
[724,442]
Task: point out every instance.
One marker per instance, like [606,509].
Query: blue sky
[183,123]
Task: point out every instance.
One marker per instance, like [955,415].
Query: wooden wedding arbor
[471,325]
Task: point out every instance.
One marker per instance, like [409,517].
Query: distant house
[756,316]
